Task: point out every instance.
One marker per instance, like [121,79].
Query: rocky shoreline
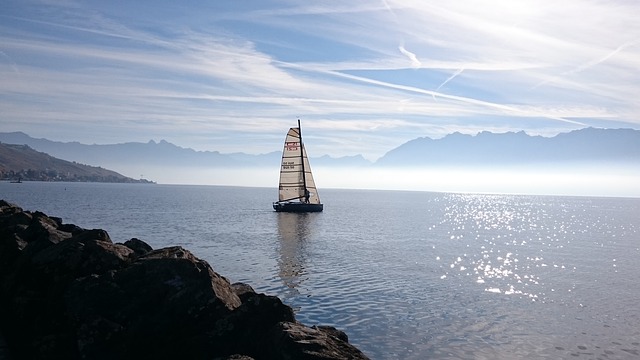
[71,293]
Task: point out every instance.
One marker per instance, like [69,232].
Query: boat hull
[296,207]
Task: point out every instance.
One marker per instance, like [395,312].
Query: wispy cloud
[415,63]
[592,63]
[367,74]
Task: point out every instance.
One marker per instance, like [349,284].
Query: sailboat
[297,191]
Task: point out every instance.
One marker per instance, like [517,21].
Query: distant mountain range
[161,153]
[20,162]
[485,148]
[587,145]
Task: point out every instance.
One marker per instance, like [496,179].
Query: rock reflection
[293,234]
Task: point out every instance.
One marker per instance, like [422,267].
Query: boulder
[292,340]
[138,246]
[68,292]
[158,307]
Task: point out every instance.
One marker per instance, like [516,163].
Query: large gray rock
[68,292]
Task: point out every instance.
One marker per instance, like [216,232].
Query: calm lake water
[408,275]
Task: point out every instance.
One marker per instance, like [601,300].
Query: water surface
[408,275]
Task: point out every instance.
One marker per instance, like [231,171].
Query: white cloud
[220,72]
[415,63]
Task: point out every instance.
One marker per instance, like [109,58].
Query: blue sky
[363,76]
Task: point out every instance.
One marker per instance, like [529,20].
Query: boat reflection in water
[294,233]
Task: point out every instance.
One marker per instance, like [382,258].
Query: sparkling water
[407,275]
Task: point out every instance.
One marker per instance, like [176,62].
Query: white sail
[295,171]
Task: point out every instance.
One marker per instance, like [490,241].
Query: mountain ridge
[21,162]
[160,153]
[484,148]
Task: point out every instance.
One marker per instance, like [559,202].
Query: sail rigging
[296,180]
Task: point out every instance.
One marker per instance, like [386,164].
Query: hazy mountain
[326,160]
[23,162]
[485,148]
[152,153]
[161,153]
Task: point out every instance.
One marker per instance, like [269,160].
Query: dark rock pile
[71,293]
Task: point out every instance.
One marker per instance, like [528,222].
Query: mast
[304,178]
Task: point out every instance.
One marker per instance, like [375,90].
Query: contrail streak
[589,64]
[486,104]
[450,78]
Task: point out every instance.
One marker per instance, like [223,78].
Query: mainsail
[296,180]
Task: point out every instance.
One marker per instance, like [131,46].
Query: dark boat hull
[296,207]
